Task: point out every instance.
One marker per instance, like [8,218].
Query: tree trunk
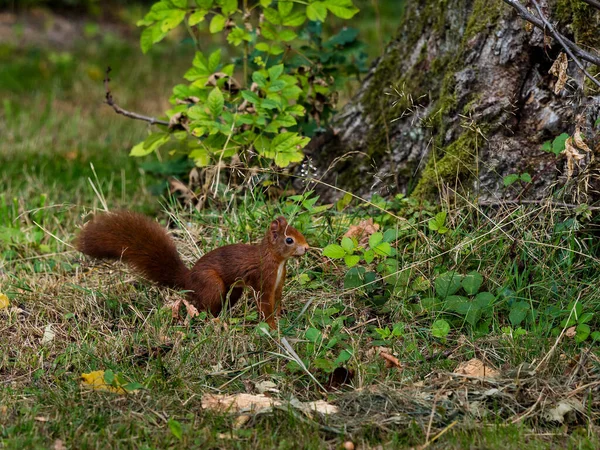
[462,98]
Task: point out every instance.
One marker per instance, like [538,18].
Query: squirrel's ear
[277,225]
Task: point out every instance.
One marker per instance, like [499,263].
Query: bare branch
[559,38]
[594,3]
[525,14]
[132,115]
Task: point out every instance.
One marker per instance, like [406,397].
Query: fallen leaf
[390,360]
[476,368]
[241,420]
[321,406]
[559,70]
[59,445]
[48,335]
[266,386]
[4,301]
[191,309]
[579,142]
[571,332]
[558,413]
[95,380]
[41,419]
[238,402]
[362,231]
[573,156]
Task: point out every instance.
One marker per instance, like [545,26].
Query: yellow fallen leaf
[95,380]
[4,302]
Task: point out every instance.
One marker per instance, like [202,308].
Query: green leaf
[351,260]
[390,235]
[383,249]
[316,11]
[275,72]
[348,244]
[272,15]
[595,336]
[344,356]
[287,148]
[180,3]
[585,317]
[215,102]
[472,282]
[150,144]
[582,332]
[287,35]
[217,23]
[196,17]
[375,239]
[228,6]
[447,284]
[285,7]
[341,8]
[265,3]
[251,96]
[201,157]
[334,251]
[313,335]
[518,313]
[237,36]
[295,19]
[133,386]
[355,277]
[438,223]
[485,299]
[547,146]
[205,4]
[510,179]
[175,18]
[260,79]
[525,177]
[558,144]
[213,61]
[369,256]
[175,428]
[440,328]
[109,377]
[325,365]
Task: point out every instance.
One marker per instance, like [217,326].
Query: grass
[101,316]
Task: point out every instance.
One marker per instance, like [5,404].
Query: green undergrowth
[435,285]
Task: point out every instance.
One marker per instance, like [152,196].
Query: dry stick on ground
[525,14]
[110,102]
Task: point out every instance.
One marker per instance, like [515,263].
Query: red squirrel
[145,245]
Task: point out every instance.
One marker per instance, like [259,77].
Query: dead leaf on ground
[266,386]
[476,368]
[558,413]
[571,332]
[42,419]
[95,380]
[59,445]
[362,231]
[48,335]
[238,402]
[573,156]
[579,142]
[559,70]
[243,402]
[390,360]
[4,301]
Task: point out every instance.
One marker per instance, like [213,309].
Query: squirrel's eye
[289,241]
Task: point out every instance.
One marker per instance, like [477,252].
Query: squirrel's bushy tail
[137,240]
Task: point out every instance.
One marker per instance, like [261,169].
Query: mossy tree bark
[462,98]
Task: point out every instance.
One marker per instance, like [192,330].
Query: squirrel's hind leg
[207,291]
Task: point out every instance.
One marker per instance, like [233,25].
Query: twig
[594,3]
[534,202]
[110,102]
[525,14]
[561,41]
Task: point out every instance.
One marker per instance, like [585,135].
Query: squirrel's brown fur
[145,245]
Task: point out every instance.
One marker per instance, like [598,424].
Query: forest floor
[505,357]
